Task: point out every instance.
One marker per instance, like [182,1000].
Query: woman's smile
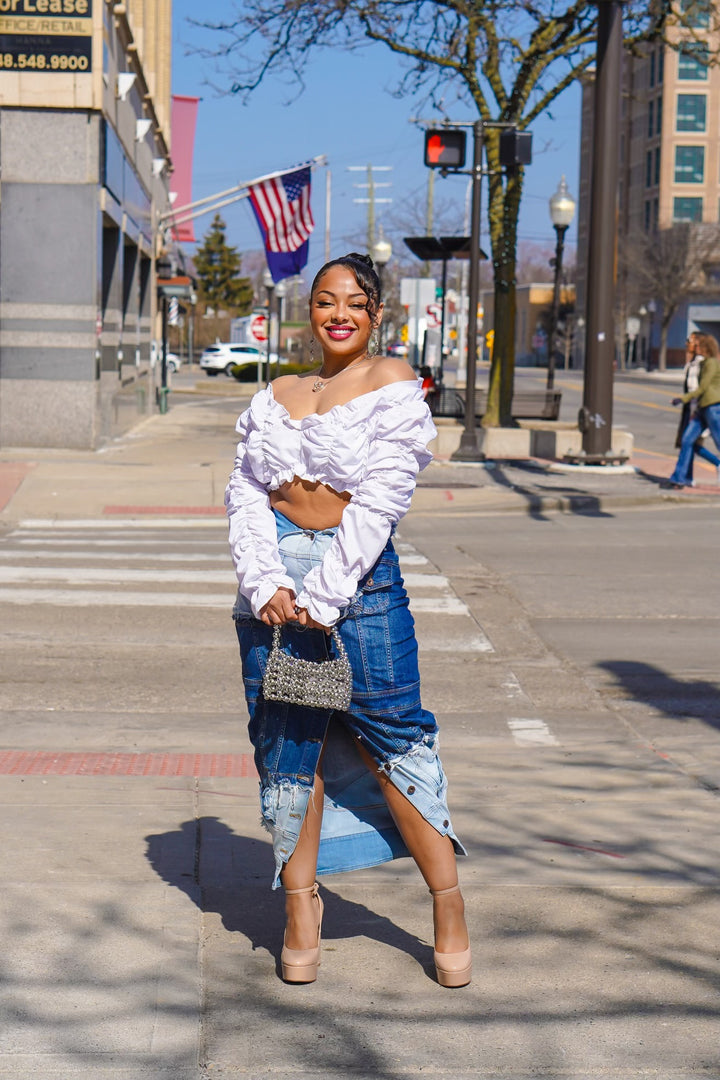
[340,333]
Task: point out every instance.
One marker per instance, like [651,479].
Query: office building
[85,157]
[669,173]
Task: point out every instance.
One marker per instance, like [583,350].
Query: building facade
[669,173]
[85,161]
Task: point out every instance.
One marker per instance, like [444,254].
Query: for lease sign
[45,35]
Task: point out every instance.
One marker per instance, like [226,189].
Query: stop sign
[258,327]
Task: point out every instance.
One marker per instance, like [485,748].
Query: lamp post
[562,211]
[280,293]
[381,254]
[269,284]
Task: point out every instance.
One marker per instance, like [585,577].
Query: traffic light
[445,149]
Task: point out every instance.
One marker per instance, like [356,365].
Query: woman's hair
[363,270]
[706,345]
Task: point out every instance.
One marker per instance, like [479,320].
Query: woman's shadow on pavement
[229,874]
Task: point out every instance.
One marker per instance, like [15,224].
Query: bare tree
[671,265]
[510,58]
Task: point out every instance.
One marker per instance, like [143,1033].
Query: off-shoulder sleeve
[253,532]
[398,451]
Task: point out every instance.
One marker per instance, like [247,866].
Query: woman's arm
[253,538]
[398,451]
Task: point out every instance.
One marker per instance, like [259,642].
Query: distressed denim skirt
[385,716]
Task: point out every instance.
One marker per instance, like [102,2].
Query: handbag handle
[277,641]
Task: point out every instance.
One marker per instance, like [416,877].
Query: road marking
[413,560]
[532,733]
[119,556]
[115,542]
[472,642]
[95,598]
[81,576]
[428,581]
[59,524]
[441,605]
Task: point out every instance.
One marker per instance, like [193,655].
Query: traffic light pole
[468,449]
[595,418]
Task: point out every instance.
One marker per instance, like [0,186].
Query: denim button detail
[411,789]
[370,581]
[386,767]
[445,823]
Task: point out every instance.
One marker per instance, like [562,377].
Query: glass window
[647,216]
[651,119]
[686,208]
[658,116]
[656,179]
[652,69]
[648,169]
[693,63]
[691,109]
[696,13]
[689,164]
[661,65]
[656,213]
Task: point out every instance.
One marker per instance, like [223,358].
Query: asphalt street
[571,659]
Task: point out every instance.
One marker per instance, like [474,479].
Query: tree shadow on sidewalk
[229,874]
[646,683]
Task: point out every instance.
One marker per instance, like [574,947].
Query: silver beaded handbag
[321,684]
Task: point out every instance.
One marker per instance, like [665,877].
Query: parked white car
[173,361]
[224,355]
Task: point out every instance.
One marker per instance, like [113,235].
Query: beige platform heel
[452,969]
[301,965]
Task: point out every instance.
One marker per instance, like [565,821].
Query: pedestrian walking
[701,408]
[325,468]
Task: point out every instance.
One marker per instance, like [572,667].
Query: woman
[325,468]
[701,397]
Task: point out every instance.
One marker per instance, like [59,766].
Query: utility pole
[595,419]
[371,199]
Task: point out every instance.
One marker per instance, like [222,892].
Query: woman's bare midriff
[310,505]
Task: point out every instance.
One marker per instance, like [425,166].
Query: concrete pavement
[140,936]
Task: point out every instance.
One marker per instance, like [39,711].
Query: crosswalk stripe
[121,556]
[532,732]
[81,576]
[120,598]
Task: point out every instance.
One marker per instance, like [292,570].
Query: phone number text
[41,62]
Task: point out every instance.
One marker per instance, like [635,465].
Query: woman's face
[339,314]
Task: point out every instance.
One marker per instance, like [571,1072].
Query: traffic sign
[434,314]
[258,327]
[445,148]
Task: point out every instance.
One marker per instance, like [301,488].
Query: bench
[526,404]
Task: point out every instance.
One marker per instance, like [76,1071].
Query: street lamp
[280,293]
[562,211]
[267,280]
[381,254]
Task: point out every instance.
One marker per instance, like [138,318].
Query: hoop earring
[313,343]
[373,344]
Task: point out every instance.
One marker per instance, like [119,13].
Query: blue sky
[347,113]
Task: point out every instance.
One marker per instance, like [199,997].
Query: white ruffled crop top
[373,447]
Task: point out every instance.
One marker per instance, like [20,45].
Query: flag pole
[313,163]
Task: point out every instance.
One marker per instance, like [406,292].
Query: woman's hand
[280,608]
[306,620]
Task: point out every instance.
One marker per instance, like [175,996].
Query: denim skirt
[385,716]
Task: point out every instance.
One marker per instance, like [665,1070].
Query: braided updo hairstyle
[363,270]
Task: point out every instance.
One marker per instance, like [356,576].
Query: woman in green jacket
[706,398]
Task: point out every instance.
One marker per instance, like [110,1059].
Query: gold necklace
[321,383]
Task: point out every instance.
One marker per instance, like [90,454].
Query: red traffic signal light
[445,149]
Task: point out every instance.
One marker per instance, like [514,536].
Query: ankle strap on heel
[309,889]
[444,892]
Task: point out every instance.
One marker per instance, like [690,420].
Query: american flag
[282,208]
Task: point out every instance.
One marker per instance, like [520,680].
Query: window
[661,65]
[652,69]
[647,215]
[691,109]
[648,169]
[693,63]
[658,116]
[656,179]
[696,13]
[689,164]
[651,119]
[686,208]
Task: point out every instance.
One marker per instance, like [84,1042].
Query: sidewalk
[179,464]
